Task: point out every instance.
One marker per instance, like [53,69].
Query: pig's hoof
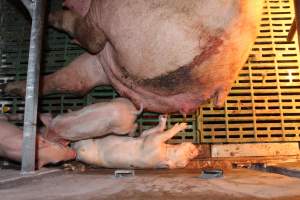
[181,126]
[163,119]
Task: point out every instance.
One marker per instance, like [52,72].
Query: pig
[147,151]
[11,117]
[116,116]
[171,56]
[46,152]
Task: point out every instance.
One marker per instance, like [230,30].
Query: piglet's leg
[166,135]
[88,35]
[10,142]
[79,77]
[157,129]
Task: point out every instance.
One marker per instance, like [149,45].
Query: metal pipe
[29,6]
[32,87]
[297,12]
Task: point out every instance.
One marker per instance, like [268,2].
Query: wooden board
[255,149]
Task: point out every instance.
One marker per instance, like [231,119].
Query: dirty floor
[96,184]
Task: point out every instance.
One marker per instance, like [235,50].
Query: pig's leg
[79,77]
[157,129]
[51,135]
[166,135]
[47,152]
[10,142]
[82,29]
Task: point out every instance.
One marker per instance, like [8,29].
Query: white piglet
[116,116]
[147,151]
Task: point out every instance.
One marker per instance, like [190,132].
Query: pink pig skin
[169,55]
[80,6]
[47,152]
[116,116]
[147,151]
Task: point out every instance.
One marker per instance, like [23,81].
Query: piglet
[116,116]
[147,151]
[47,152]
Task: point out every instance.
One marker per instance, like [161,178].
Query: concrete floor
[96,184]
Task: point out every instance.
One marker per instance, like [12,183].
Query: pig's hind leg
[157,129]
[11,140]
[82,29]
[166,135]
[79,77]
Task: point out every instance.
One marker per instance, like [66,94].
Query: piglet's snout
[191,151]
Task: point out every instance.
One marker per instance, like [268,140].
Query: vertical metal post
[32,87]
[297,12]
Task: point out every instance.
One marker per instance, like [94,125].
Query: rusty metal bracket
[292,31]
[296,23]
[297,12]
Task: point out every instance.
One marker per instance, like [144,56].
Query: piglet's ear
[46,119]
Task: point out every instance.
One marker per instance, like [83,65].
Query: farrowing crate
[262,106]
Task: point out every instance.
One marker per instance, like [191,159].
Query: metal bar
[32,87]
[29,6]
[297,12]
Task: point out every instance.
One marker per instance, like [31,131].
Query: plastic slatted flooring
[262,105]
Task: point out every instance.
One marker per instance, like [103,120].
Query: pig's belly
[125,152]
[176,64]
[185,89]
[152,99]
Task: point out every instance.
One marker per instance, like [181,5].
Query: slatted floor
[263,105]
